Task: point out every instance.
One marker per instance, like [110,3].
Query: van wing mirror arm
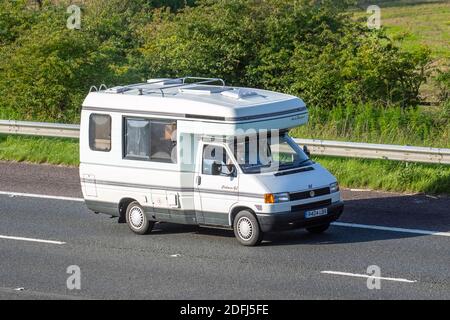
[233,171]
[306,151]
[216,169]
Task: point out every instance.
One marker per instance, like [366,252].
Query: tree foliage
[46,71]
[310,48]
[313,49]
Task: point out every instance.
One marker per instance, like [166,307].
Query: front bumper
[296,220]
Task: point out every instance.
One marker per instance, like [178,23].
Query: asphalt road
[184,262]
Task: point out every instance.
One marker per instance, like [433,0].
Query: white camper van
[195,151]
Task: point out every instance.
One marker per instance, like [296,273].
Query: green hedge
[313,49]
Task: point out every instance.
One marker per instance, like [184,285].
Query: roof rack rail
[200,80]
[204,80]
[94,88]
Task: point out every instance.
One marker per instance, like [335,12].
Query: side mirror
[216,169]
[231,171]
[306,151]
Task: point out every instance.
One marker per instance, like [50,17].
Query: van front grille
[310,206]
[307,194]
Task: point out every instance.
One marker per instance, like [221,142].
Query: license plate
[316,213]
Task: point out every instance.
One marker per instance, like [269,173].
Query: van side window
[215,154]
[100,132]
[137,138]
[150,140]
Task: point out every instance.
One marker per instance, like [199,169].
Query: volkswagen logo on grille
[312,193]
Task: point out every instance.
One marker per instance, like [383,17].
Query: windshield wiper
[303,161]
[259,165]
[287,166]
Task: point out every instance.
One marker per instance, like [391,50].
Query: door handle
[198,180]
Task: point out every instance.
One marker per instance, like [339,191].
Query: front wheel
[318,229]
[246,229]
[137,220]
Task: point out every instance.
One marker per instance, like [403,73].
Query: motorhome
[195,151]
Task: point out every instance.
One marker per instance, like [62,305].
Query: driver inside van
[165,146]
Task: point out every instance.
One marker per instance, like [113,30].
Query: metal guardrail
[40,129]
[376,151]
[317,147]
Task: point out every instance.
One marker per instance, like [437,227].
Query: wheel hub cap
[136,217]
[245,228]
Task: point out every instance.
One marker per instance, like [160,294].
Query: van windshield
[268,154]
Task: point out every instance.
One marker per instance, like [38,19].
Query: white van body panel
[317,178]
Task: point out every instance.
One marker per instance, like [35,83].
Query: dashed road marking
[348,274]
[41,196]
[31,240]
[382,228]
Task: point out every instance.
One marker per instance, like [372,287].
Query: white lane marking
[42,196]
[373,227]
[31,240]
[348,274]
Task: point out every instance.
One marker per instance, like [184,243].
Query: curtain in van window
[138,138]
[100,132]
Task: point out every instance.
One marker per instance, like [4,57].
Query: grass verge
[371,124]
[39,150]
[352,173]
[389,175]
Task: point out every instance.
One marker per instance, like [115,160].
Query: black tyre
[318,229]
[246,229]
[137,219]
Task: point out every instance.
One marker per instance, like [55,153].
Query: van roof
[202,99]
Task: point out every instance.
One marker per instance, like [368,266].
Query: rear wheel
[246,229]
[319,229]
[137,220]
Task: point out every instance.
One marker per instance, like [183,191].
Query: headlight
[334,187]
[276,197]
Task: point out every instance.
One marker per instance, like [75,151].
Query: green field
[415,24]
[418,23]
[421,24]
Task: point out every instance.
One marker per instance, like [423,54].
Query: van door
[216,183]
